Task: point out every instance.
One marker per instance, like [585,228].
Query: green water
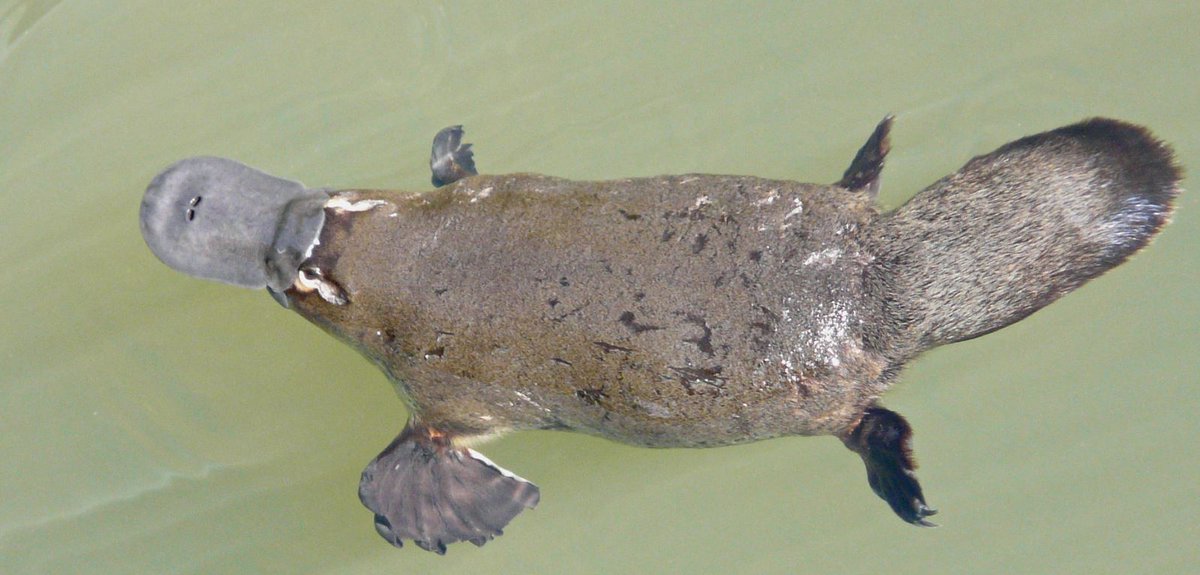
[152,423]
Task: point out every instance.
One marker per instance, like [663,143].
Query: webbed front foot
[451,160]
[424,489]
[883,439]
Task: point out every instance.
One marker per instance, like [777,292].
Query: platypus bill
[674,311]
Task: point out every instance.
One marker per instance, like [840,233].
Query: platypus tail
[1016,229]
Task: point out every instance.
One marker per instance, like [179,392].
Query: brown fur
[676,311]
[707,310]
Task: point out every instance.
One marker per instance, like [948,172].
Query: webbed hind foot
[424,489]
[883,439]
[864,171]
[451,160]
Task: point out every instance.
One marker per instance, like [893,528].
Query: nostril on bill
[191,212]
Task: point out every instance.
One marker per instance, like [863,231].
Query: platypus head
[221,220]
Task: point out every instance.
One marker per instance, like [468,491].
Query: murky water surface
[151,423]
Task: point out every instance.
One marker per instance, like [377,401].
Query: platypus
[673,311]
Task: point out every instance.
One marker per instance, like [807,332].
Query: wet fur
[675,311]
[1014,230]
[709,310]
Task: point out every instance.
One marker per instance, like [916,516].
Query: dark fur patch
[883,438]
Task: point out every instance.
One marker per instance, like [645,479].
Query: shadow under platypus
[674,311]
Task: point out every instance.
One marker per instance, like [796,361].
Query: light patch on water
[164,481]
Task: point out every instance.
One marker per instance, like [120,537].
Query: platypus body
[674,311]
[679,311]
